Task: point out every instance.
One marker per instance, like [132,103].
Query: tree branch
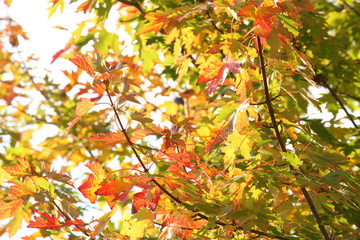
[352,8]
[334,94]
[281,142]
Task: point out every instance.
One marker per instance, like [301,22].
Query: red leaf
[147,198]
[83,62]
[108,138]
[76,222]
[89,187]
[81,108]
[263,18]
[59,53]
[46,222]
[114,187]
[218,73]
[157,21]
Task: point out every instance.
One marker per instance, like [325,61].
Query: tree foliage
[195,128]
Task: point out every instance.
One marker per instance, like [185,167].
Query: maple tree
[202,131]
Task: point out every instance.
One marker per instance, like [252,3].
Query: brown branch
[123,130]
[213,23]
[352,8]
[334,94]
[281,142]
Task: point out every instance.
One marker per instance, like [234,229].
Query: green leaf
[293,159]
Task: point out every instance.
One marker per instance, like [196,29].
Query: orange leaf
[118,189]
[83,62]
[9,207]
[97,169]
[263,18]
[76,222]
[111,137]
[89,187]
[20,169]
[20,191]
[81,108]
[140,134]
[46,222]
[157,21]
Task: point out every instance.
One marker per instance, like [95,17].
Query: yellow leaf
[81,108]
[170,107]
[237,142]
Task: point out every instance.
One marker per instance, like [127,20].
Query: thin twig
[333,93]
[264,102]
[213,23]
[281,142]
[352,8]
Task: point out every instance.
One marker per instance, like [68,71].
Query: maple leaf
[263,17]
[97,169]
[20,169]
[157,22]
[220,70]
[81,109]
[46,222]
[60,52]
[115,188]
[20,191]
[140,134]
[83,62]
[89,187]
[146,198]
[9,206]
[108,138]
[85,6]
[76,222]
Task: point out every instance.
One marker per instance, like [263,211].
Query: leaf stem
[281,142]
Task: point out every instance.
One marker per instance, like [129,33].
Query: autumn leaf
[83,62]
[60,52]
[81,109]
[108,138]
[89,188]
[218,72]
[45,222]
[157,21]
[9,206]
[20,169]
[263,16]
[115,188]
[97,169]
